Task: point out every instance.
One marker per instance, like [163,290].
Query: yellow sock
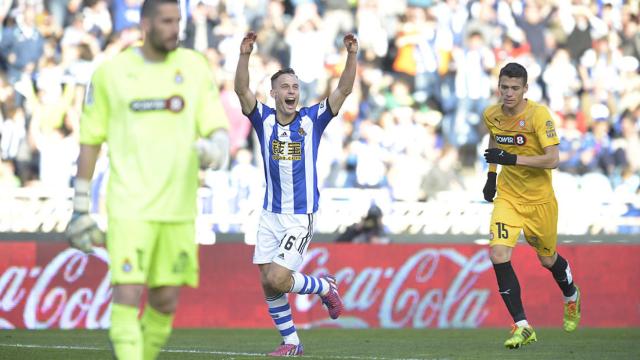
[156,328]
[125,333]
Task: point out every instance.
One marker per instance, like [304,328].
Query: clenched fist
[351,43]
[246,47]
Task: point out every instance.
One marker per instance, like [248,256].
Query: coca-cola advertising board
[47,285]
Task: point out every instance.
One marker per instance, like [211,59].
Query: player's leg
[505,228]
[174,263]
[126,241]
[157,319]
[266,249]
[298,232]
[541,232]
[280,311]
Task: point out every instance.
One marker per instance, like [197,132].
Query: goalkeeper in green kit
[157,108]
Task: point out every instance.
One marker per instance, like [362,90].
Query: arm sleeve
[210,114]
[485,119]
[321,114]
[545,128]
[255,116]
[95,111]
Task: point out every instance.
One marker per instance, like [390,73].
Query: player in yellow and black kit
[524,141]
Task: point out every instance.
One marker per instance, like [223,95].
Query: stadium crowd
[414,122]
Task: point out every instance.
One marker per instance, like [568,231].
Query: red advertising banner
[400,285]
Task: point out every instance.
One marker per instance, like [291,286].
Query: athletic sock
[306,284]
[125,334]
[509,289]
[280,312]
[562,274]
[156,328]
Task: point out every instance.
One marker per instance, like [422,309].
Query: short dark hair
[149,6]
[275,76]
[514,70]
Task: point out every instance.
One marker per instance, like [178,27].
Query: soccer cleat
[288,350]
[520,336]
[332,299]
[572,313]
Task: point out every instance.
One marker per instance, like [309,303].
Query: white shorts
[283,239]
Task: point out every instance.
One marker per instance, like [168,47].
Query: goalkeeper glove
[499,156]
[213,152]
[489,189]
[83,232]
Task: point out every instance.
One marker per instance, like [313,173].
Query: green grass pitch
[401,344]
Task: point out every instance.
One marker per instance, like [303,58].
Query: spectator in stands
[581,26]
[596,153]
[370,229]
[626,146]
[125,14]
[272,30]
[303,35]
[21,46]
[200,26]
[570,144]
[473,89]
[534,23]
[607,69]
[560,78]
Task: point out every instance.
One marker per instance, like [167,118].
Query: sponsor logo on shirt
[551,130]
[517,139]
[281,150]
[174,104]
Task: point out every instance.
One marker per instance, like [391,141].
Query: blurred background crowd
[412,126]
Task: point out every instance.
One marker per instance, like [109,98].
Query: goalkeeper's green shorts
[152,253]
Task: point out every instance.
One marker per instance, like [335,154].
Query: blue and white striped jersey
[289,156]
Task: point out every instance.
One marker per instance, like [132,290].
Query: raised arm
[345,85]
[241,83]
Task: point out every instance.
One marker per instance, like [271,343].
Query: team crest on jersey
[301,132]
[174,104]
[518,139]
[126,266]
[178,78]
[521,123]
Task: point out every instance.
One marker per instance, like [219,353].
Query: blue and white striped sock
[305,284]
[280,312]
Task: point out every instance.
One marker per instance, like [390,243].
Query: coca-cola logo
[404,295]
[60,296]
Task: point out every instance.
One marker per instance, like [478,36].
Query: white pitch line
[195,351]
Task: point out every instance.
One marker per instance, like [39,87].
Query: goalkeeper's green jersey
[150,115]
